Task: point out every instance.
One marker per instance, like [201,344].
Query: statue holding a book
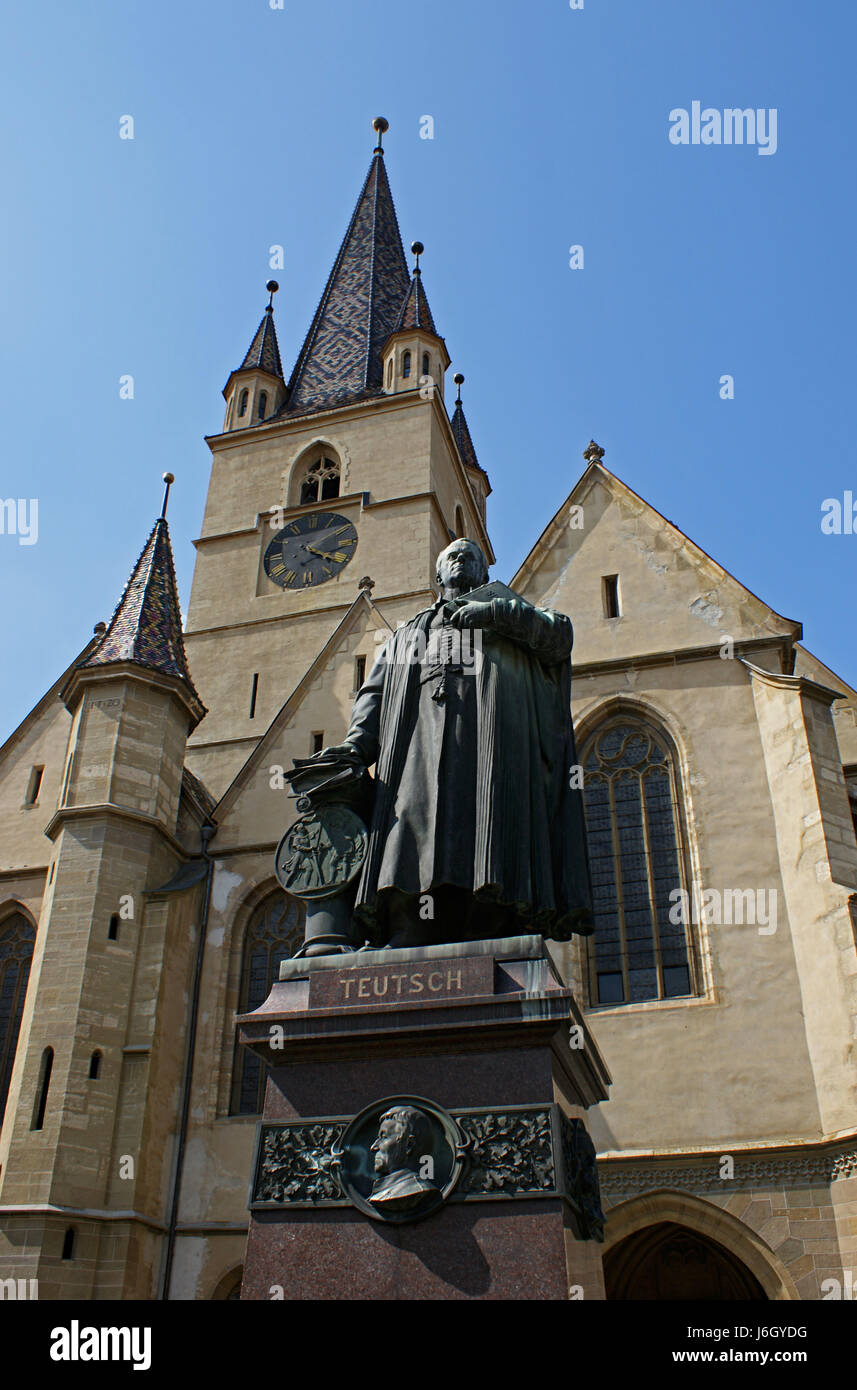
[475,815]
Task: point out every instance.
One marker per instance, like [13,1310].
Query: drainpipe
[206,833]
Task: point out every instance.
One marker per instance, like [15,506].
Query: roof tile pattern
[263,353]
[340,360]
[147,627]
[415,310]
[462,437]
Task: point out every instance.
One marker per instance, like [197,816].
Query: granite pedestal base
[487,1034]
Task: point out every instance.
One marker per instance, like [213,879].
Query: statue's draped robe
[474,789]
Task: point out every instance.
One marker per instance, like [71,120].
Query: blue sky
[252,127]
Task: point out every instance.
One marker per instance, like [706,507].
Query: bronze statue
[476,828]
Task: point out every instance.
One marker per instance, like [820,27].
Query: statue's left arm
[548,635]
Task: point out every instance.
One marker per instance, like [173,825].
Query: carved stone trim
[802,1170]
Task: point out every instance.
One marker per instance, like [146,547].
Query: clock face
[310,550]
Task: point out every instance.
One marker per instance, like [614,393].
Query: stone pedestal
[486,1039]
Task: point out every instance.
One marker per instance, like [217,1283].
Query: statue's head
[461,567]
[404,1138]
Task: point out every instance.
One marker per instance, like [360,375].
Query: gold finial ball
[459,379]
[381,124]
[168,477]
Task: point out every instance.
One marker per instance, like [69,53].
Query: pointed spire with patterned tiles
[340,360]
[415,311]
[460,430]
[146,628]
[263,353]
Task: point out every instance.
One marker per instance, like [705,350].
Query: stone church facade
[143,798]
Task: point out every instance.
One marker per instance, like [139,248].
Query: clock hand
[323,554]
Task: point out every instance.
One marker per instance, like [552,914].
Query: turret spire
[146,628]
[460,430]
[263,353]
[415,311]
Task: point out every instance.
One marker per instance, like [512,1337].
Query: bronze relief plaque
[400,1158]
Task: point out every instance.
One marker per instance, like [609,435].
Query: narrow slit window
[425,364]
[254,691]
[318,742]
[406,364]
[263,405]
[68,1244]
[389,373]
[34,785]
[95,1066]
[44,1086]
[242,405]
[113,928]
[359,671]
[610,592]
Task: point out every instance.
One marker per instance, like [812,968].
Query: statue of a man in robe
[477,827]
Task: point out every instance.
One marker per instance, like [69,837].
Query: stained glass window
[17,938]
[634,838]
[274,933]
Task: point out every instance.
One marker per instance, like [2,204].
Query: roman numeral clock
[310,550]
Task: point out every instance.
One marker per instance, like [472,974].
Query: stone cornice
[804,684]
[63,814]
[680,656]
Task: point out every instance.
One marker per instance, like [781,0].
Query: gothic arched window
[263,404]
[274,933]
[321,481]
[633,831]
[242,403]
[406,364]
[425,364]
[17,939]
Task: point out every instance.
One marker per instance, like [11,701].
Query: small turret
[255,392]
[414,355]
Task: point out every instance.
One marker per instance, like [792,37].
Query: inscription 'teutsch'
[439,979]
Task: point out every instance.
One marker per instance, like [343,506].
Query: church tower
[351,469]
[92,1106]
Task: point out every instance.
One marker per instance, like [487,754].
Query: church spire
[340,360]
[256,390]
[415,311]
[460,430]
[264,351]
[146,628]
